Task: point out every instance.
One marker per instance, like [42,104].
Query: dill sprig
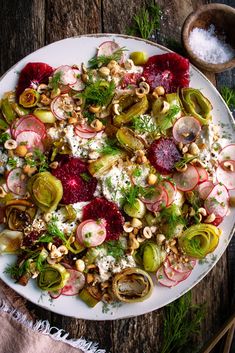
[39,160]
[55,80]
[98,93]
[229,96]
[52,232]
[4,137]
[131,193]
[12,162]
[183,161]
[98,61]
[172,216]
[182,321]
[109,148]
[16,270]
[143,124]
[115,248]
[146,21]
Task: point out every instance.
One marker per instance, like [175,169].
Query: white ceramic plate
[75,51]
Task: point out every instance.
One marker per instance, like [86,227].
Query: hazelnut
[10,144]
[21,150]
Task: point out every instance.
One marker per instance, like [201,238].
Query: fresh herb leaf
[12,162]
[137,172]
[85,176]
[52,232]
[4,137]
[115,248]
[146,21]
[17,270]
[168,118]
[131,193]
[109,147]
[229,96]
[99,93]
[98,61]
[55,80]
[172,216]
[183,161]
[108,182]
[38,160]
[89,116]
[143,124]
[182,321]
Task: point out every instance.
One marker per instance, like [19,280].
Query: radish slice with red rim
[107,48]
[75,283]
[31,139]
[170,189]
[217,221]
[55,294]
[187,180]
[67,74]
[15,183]
[182,267]
[203,175]
[84,128]
[225,173]
[91,233]
[159,202]
[227,153]
[29,123]
[79,85]
[164,280]
[172,274]
[57,106]
[186,129]
[217,201]
[84,135]
[204,189]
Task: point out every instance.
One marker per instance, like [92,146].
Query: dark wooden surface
[26,25]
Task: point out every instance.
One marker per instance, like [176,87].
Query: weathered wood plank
[21,30]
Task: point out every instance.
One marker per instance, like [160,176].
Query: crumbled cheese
[179,198]
[108,265]
[54,133]
[3,161]
[38,225]
[208,47]
[113,182]
[78,208]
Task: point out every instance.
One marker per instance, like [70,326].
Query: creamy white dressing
[108,265]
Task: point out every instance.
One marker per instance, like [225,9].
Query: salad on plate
[114,177]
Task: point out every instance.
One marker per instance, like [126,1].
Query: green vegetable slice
[52,277]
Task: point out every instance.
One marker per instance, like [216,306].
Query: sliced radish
[174,275]
[29,123]
[217,221]
[75,283]
[186,129]
[15,183]
[159,203]
[217,201]
[31,139]
[164,280]
[79,84]
[204,189]
[227,153]
[182,267]
[91,233]
[84,128]
[170,189]
[55,294]
[225,175]
[186,181]
[203,175]
[67,75]
[57,106]
[107,48]
[84,135]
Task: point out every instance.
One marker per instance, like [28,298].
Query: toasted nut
[202,211]
[172,242]
[21,150]
[129,64]
[85,78]
[54,165]
[128,228]
[135,231]
[228,166]
[159,90]
[174,249]
[210,218]
[42,88]
[97,125]
[182,169]
[147,233]
[160,238]
[134,244]
[51,261]
[136,223]
[139,153]
[72,120]
[94,108]
[106,298]
[2,192]
[144,86]
[10,144]
[49,246]
[104,284]
[80,265]
[140,92]
[185,149]
[112,64]
[45,100]
[141,160]
[165,107]
[90,278]
[232,201]
[151,179]
[29,170]
[180,145]
[55,254]
[104,71]
[193,149]
[199,217]
[140,239]
[55,93]
[63,250]
[116,109]
[192,212]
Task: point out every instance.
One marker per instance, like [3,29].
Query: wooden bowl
[223,18]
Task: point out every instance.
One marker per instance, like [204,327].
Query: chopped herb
[98,61]
[85,176]
[109,147]
[173,217]
[12,162]
[131,193]
[17,270]
[55,80]
[99,93]
[229,96]
[183,161]
[108,182]
[52,232]
[4,137]
[137,172]
[89,116]
[38,160]
[146,21]
[143,124]
[115,248]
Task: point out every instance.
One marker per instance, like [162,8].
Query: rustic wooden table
[26,25]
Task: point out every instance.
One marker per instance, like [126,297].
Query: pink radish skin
[204,189]
[56,294]
[186,181]
[74,284]
[164,280]
[14,182]
[155,196]
[227,153]
[159,204]
[217,201]
[107,48]
[182,267]
[56,107]
[91,233]
[67,75]
[225,175]
[203,175]
[79,84]
[186,129]
[84,135]
[31,139]
[170,189]
[174,275]
[84,128]
[28,123]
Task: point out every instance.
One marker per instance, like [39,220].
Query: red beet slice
[100,208]
[130,79]
[78,184]
[168,70]
[32,75]
[163,154]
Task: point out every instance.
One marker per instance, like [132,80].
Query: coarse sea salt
[208,47]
